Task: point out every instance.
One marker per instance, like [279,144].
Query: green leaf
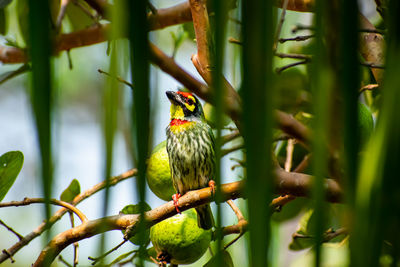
[188,28]
[10,166]
[226,259]
[135,209]
[290,210]
[302,238]
[121,257]
[78,18]
[3,25]
[71,191]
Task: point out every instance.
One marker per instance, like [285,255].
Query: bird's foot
[175,198]
[211,184]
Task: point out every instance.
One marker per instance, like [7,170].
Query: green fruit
[365,123]
[210,113]
[180,238]
[159,174]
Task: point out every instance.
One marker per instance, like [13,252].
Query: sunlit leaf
[121,257]
[71,191]
[135,209]
[78,18]
[10,166]
[226,259]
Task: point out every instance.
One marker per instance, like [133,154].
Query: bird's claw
[175,198]
[211,184]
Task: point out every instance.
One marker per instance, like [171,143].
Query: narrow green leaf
[258,92]
[10,166]
[3,26]
[23,19]
[121,257]
[71,191]
[226,260]
[135,209]
[41,91]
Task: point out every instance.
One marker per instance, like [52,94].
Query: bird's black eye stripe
[190,101]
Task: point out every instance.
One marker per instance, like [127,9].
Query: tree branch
[295,184]
[27,201]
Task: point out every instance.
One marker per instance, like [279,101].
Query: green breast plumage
[191,156]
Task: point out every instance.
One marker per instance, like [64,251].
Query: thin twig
[289,154]
[86,11]
[229,137]
[234,41]
[76,244]
[61,13]
[303,164]
[8,254]
[95,260]
[280,24]
[235,209]
[300,27]
[11,230]
[27,201]
[373,65]
[369,87]
[281,137]
[277,203]
[225,152]
[328,235]
[234,240]
[118,78]
[297,38]
[381,32]
[61,259]
[279,70]
[295,56]
[152,8]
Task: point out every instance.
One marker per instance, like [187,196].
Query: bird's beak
[173,97]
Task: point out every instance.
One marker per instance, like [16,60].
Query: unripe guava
[180,239]
[159,174]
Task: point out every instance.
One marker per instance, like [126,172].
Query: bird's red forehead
[185,94]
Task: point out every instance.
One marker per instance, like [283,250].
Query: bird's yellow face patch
[176,112]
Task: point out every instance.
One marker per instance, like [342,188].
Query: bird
[191,151]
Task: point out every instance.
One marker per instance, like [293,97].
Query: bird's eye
[190,101]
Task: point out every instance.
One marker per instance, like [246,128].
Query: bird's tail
[205,218]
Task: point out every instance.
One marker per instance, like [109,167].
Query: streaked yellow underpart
[176,112]
[183,127]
